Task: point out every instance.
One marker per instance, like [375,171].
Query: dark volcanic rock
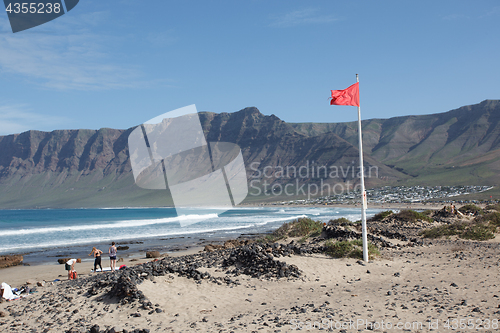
[336,231]
[258,260]
[342,233]
[253,259]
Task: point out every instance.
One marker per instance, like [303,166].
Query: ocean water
[42,235]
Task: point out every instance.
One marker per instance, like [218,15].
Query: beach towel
[105,269]
[7,292]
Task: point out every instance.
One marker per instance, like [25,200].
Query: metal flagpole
[363,192]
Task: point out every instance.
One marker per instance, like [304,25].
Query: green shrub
[493,207]
[303,239]
[305,226]
[428,212]
[271,238]
[471,209]
[493,218]
[338,249]
[382,215]
[302,227]
[373,250]
[478,232]
[443,230]
[350,249]
[358,242]
[474,232]
[340,220]
[408,215]
[280,233]
[357,253]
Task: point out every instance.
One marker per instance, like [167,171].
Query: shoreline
[283,286]
[16,276]
[171,245]
[179,246]
[137,248]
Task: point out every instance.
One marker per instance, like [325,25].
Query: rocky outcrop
[152,254]
[12,260]
[62,261]
[229,244]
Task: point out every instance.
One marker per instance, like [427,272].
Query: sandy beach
[420,285]
[428,285]
[19,275]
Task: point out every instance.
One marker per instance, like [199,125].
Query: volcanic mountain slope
[267,141]
[461,146]
[65,168]
[91,168]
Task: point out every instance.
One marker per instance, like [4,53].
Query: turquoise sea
[42,235]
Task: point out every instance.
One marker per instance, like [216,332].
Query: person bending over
[70,266]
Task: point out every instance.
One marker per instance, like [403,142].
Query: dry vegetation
[474,223]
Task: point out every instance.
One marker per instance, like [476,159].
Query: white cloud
[19,118]
[302,17]
[68,56]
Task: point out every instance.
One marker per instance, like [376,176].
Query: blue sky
[119,63]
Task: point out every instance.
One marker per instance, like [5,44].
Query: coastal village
[397,195]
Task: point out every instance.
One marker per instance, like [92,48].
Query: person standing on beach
[70,266]
[112,256]
[97,256]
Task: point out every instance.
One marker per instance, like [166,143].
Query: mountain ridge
[91,168]
[419,144]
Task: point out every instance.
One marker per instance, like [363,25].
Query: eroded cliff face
[83,151]
[458,147]
[91,168]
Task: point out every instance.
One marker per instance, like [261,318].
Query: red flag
[349,96]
